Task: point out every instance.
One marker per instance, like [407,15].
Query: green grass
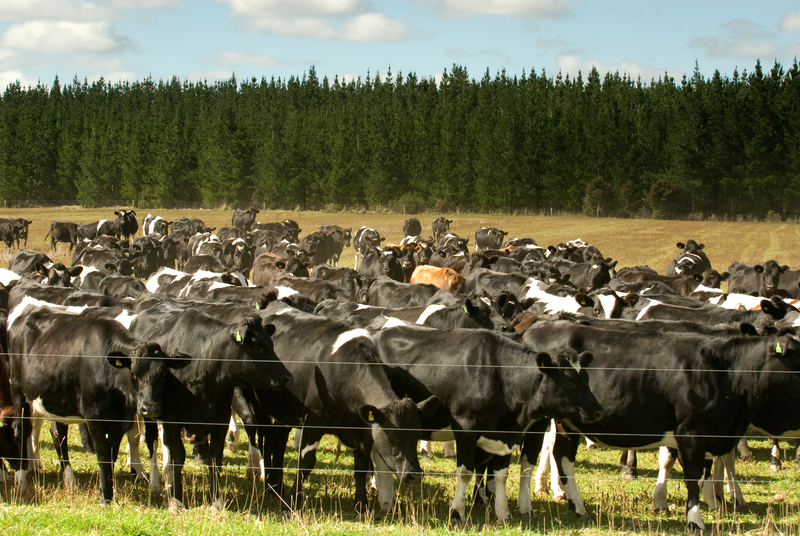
[618,506]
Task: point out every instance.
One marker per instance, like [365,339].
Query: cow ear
[768,307]
[270,329]
[584,300]
[785,268]
[681,245]
[74,271]
[429,406]
[116,212]
[585,358]
[239,335]
[698,277]
[631,298]
[280,265]
[179,360]
[748,330]
[370,414]
[725,276]
[383,238]
[701,246]
[119,361]
[110,267]
[544,361]
[758,268]
[40,269]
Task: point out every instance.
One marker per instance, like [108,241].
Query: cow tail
[45,236]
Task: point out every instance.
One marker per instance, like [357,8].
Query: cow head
[396,430]
[770,277]
[256,361]
[149,367]
[565,388]
[57,275]
[600,275]
[126,222]
[714,279]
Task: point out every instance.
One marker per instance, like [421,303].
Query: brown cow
[444,278]
[268,267]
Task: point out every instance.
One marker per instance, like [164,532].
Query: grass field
[618,506]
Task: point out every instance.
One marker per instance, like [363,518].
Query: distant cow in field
[62,231]
[244,219]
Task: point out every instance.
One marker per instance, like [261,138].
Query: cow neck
[374,389]
[521,379]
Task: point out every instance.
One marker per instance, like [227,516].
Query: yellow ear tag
[238,336]
[465,310]
[258,306]
[370,417]
[778,349]
[119,363]
[1,424]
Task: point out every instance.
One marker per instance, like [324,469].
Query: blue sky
[211,39]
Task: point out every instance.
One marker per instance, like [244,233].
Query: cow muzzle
[150,410]
[282,382]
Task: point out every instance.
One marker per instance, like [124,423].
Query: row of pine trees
[604,145]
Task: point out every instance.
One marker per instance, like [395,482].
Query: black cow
[379,262]
[84,368]
[8,233]
[489,238]
[151,256]
[319,246]
[760,279]
[691,392]
[387,292]
[490,390]
[412,227]
[9,451]
[277,231]
[341,240]
[244,219]
[17,228]
[586,275]
[440,225]
[108,262]
[25,262]
[125,225]
[62,231]
[193,225]
[198,397]
[341,387]
[692,260]
[155,225]
[364,239]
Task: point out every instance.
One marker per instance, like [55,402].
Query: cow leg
[666,461]
[134,457]
[86,438]
[744,450]
[151,440]
[232,439]
[255,465]
[483,489]
[272,442]
[307,459]
[565,449]
[775,456]
[34,450]
[500,496]
[465,463]
[216,449]
[691,454]
[449,450]
[105,452]
[708,486]
[172,441]
[627,464]
[59,433]
[532,445]
[797,453]
[425,449]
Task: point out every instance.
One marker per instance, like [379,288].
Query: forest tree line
[606,146]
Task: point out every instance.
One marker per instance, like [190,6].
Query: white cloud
[365,28]
[244,58]
[64,37]
[518,8]
[790,22]
[740,39]
[70,10]
[295,8]
[9,77]
[143,4]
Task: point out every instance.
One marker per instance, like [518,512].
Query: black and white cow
[341,387]
[83,369]
[364,239]
[244,219]
[664,389]
[155,225]
[387,292]
[379,262]
[489,238]
[198,397]
[490,389]
[692,259]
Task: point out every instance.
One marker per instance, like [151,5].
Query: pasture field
[617,506]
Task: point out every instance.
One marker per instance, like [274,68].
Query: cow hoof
[175,506]
[660,509]
[449,456]
[749,457]
[584,516]
[528,516]
[456,519]
[775,467]
[694,527]
[628,474]
[591,446]
[424,455]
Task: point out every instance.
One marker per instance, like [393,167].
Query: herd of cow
[512,346]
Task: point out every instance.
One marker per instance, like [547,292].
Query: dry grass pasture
[618,506]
